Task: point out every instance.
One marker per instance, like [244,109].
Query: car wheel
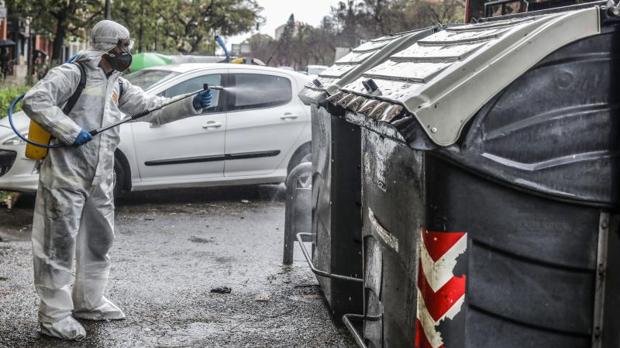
[303,154]
[305,180]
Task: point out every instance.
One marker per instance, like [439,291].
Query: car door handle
[212,125]
[289,116]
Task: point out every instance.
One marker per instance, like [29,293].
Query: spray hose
[94,132]
[19,135]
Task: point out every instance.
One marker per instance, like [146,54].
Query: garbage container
[490,168]
[336,145]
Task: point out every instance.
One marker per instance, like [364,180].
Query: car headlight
[15,140]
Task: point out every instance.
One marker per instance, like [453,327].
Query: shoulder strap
[78,91]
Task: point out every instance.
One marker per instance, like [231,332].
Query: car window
[195,84]
[260,90]
[147,78]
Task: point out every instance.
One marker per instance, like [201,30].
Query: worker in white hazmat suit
[74,210]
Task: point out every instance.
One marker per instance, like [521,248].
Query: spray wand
[94,132]
[205,87]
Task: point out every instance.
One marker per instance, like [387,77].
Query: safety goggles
[125,45]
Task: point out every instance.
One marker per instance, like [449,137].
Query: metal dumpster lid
[360,59]
[445,78]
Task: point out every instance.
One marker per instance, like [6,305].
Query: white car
[255,132]
[315,70]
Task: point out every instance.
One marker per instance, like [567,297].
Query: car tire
[302,154]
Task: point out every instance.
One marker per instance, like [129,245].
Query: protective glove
[202,100]
[82,138]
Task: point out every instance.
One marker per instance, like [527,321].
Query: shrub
[4,196]
[6,97]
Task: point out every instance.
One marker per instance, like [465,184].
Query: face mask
[119,62]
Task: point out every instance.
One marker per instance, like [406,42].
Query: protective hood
[106,34]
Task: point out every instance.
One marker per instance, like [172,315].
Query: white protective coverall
[74,209]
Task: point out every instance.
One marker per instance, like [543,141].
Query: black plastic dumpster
[336,152]
[490,186]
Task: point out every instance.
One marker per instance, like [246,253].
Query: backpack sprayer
[38,141]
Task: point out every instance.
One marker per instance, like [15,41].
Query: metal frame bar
[545,11]
[346,319]
[290,219]
[347,322]
[599,289]
[316,270]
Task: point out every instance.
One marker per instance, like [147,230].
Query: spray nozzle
[207,87]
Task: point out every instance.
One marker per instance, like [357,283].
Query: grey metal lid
[360,59]
[445,78]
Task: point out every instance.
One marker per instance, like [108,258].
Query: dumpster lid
[360,59]
[445,78]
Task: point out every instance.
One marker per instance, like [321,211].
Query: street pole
[30,58]
[107,9]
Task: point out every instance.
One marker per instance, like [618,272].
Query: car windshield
[315,69]
[147,78]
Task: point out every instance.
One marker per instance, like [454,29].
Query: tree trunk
[195,44]
[59,39]
[107,10]
[141,29]
[140,38]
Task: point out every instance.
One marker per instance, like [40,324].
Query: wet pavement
[171,249]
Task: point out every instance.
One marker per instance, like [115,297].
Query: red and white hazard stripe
[440,293]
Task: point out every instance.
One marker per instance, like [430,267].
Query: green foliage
[4,196]
[6,97]
[299,45]
[350,23]
[185,26]
[58,19]
[367,19]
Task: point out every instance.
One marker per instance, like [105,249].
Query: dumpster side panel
[395,227]
[321,189]
[346,221]
[373,277]
[531,261]
[337,209]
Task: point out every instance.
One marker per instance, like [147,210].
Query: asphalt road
[171,249]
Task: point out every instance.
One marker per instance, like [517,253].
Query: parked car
[285,67]
[256,131]
[315,70]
